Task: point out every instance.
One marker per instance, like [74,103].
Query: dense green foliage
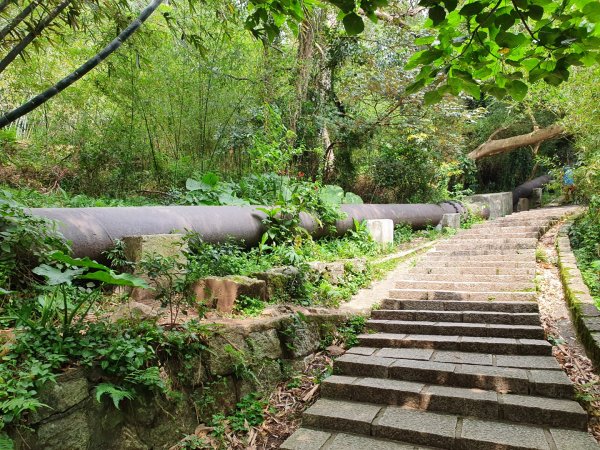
[294,105]
[585,238]
[499,47]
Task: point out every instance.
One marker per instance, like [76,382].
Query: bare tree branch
[386,17]
[82,70]
[496,146]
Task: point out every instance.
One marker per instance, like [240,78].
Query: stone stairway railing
[456,357]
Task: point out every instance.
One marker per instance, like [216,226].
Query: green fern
[116,393]
[6,443]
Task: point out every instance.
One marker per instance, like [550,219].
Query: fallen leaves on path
[556,321]
[288,402]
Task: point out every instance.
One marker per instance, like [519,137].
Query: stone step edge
[312,439]
[521,306]
[484,404]
[477,344]
[443,328]
[480,317]
[375,423]
[445,294]
[540,381]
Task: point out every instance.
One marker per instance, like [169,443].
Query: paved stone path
[457,358]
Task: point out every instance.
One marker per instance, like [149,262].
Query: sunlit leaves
[498,47]
[592,11]
[517,89]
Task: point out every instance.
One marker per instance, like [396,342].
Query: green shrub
[25,242]
[585,238]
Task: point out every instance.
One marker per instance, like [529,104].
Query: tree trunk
[42,98]
[306,40]
[496,146]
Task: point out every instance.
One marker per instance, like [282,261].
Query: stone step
[481,228]
[447,431]
[457,328]
[470,317]
[479,403]
[477,260]
[466,277]
[481,255]
[488,235]
[511,227]
[489,244]
[309,439]
[425,294]
[495,265]
[496,345]
[468,370]
[505,271]
[471,248]
[460,305]
[476,286]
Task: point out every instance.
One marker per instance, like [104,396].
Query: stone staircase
[456,357]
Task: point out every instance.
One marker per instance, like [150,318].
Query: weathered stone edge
[585,314]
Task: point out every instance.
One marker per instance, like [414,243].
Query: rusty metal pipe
[526,189]
[94,230]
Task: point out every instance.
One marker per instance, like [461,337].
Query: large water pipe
[94,230]
[526,189]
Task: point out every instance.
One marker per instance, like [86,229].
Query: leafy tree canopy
[492,46]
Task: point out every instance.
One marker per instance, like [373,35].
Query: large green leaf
[210,179]
[226,198]
[352,198]
[77,262]
[472,9]
[195,185]
[592,11]
[437,14]
[517,90]
[432,97]
[110,277]
[344,5]
[353,24]
[56,276]
[331,194]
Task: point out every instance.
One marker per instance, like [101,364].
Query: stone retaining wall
[499,203]
[270,348]
[585,314]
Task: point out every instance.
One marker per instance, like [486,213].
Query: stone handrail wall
[273,348]
[584,311]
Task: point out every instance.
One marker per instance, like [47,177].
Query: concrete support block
[449,221]
[507,203]
[535,199]
[381,230]
[138,247]
[499,204]
[523,205]
[222,292]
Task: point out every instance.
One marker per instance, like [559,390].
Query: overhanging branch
[497,146]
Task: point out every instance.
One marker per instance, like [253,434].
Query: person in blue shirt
[568,183]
